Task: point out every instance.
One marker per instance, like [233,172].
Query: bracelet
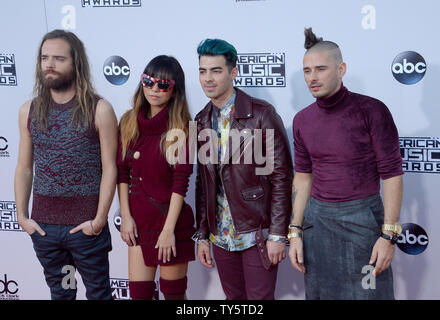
[292,226]
[291,235]
[198,237]
[93,231]
[276,238]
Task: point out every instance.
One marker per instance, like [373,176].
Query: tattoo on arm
[294,193]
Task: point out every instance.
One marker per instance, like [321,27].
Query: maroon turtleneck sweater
[159,179]
[348,142]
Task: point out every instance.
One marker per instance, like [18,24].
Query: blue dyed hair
[216,47]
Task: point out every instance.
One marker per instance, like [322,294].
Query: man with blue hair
[241,208]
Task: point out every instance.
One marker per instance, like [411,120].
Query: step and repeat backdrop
[391,52]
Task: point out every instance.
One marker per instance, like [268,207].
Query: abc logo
[117,219]
[116,70]
[3,144]
[408,67]
[8,287]
[413,239]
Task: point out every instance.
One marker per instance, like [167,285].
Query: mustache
[45,73]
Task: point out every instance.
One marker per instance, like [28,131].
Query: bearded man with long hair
[70,134]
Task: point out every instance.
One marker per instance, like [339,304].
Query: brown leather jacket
[255,201]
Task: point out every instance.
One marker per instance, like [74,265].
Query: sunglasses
[163,85]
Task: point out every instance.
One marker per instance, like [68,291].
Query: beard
[61,82]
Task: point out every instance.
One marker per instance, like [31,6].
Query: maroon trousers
[243,276]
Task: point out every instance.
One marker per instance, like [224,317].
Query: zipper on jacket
[226,196]
[206,202]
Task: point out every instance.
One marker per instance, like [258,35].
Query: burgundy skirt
[150,217]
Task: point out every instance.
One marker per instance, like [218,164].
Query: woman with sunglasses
[156,222]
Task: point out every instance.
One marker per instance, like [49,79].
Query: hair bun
[311,39]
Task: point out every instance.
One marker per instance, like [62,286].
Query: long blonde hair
[162,67]
[83,114]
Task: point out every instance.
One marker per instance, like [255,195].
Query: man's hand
[382,255]
[204,254]
[296,254]
[31,226]
[86,227]
[276,251]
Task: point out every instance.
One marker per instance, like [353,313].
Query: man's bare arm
[107,126]
[24,173]
[302,183]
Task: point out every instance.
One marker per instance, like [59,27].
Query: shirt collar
[226,108]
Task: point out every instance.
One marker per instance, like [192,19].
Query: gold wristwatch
[395,228]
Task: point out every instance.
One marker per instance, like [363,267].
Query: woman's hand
[166,243]
[128,230]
